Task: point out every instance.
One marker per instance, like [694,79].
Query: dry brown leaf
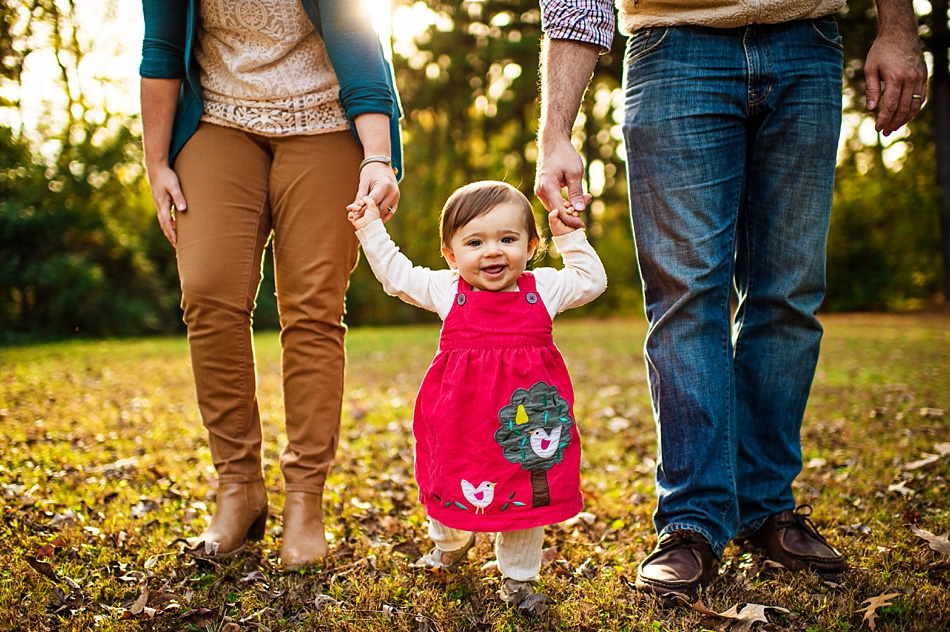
[408,548]
[939,543]
[548,555]
[926,459]
[139,604]
[742,619]
[42,568]
[901,489]
[870,613]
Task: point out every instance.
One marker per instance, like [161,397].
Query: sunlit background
[108,75]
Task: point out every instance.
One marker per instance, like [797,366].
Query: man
[731,124]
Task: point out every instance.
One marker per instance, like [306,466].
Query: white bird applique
[480,496]
[544,444]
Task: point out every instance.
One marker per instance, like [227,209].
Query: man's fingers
[575,192]
[872,91]
[549,193]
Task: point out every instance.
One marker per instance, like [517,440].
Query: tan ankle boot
[240,515]
[304,541]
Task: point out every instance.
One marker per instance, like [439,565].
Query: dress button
[460,299]
[531,297]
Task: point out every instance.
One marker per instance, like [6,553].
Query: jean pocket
[827,30]
[644,41]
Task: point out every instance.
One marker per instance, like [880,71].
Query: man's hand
[560,167]
[895,66]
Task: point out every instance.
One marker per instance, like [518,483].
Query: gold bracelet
[386,160]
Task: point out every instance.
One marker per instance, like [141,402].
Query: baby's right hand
[362,212]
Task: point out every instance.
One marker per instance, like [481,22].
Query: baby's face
[492,250]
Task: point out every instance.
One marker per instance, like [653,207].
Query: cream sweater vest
[636,14]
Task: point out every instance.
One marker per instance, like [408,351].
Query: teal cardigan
[366,78]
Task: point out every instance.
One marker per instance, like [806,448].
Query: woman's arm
[377,179]
[159,99]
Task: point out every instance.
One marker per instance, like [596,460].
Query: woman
[260,118]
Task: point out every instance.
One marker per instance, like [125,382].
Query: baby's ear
[449,257]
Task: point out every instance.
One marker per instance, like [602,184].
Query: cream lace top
[264,69]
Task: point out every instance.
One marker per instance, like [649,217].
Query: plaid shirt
[590,21]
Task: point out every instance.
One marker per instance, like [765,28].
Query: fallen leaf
[139,604]
[42,568]
[855,529]
[548,555]
[901,489]
[930,412]
[408,548]
[926,459]
[870,613]
[939,543]
[943,449]
[584,517]
[253,576]
[65,519]
[585,570]
[743,619]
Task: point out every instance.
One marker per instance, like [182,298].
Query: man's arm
[566,69]
[895,65]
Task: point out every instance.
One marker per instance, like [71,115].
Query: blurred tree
[887,230]
[80,252]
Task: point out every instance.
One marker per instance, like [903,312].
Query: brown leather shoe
[240,515]
[791,539]
[304,541]
[682,564]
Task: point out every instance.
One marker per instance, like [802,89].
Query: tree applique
[535,429]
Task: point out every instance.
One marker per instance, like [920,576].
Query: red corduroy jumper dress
[497,448]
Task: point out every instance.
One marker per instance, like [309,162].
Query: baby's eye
[475,243]
[509,240]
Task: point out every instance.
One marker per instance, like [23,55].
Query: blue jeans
[731,139]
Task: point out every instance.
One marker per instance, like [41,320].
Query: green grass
[102,456]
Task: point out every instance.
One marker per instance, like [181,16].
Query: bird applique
[545,444]
[480,496]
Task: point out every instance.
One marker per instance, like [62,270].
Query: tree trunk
[940,120]
[540,495]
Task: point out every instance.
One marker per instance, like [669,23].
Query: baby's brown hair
[478,198]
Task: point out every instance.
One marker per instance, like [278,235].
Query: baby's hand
[558,227]
[362,212]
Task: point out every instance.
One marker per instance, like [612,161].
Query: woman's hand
[363,212]
[167,197]
[378,183]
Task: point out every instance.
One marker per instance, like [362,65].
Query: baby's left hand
[558,227]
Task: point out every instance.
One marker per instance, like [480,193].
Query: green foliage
[884,244]
[79,250]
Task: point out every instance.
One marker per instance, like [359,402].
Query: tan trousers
[241,188]
[518,552]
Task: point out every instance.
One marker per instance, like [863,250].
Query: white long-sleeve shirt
[581,280]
